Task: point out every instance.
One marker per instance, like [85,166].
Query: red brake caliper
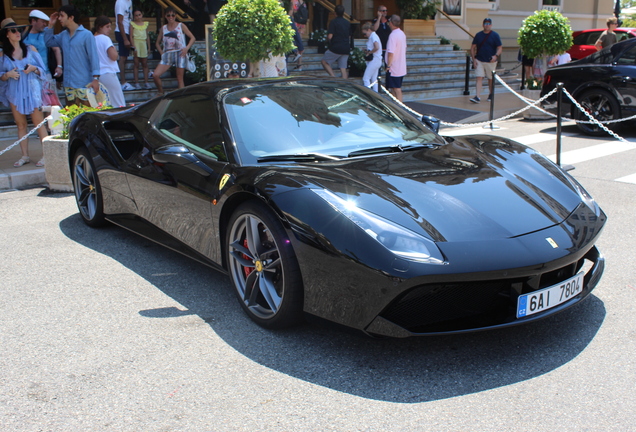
[246,270]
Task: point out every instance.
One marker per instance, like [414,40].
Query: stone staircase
[434,71]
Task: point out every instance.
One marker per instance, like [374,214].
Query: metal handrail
[455,22]
[330,7]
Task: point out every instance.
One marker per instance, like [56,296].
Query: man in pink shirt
[395,58]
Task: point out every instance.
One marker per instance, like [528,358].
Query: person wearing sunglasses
[174,51]
[22,73]
[381,28]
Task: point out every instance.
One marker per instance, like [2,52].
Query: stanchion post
[466,91]
[559,94]
[523,77]
[492,102]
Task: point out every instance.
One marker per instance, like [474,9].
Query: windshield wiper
[298,157]
[393,149]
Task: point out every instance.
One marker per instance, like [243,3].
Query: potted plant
[356,63]
[418,17]
[544,34]
[253,30]
[318,38]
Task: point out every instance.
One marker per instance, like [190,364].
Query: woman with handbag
[373,56]
[22,74]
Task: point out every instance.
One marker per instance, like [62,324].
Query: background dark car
[604,84]
[584,40]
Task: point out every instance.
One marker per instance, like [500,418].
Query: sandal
[40,163]
[23,160]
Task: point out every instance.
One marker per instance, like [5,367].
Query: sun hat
[38,14]
[8,22]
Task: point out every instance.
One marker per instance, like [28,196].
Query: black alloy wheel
[88,192]
[601,105]
[263,267]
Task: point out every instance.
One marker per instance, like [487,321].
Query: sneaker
[148,86]
[475,100]
[298,56]
[151,74]
[489,97]
[136,86]
[127,86]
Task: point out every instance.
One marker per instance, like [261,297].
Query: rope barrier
[24,137]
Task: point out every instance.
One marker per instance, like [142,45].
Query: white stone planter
[56,167]
[533,113]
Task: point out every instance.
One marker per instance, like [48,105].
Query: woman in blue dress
[22,73]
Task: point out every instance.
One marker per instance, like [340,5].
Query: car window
[588,38]
[330,119]
[192,120]
[628,57]
[621,36]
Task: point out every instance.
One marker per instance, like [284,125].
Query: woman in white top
[108,62]
[374,48]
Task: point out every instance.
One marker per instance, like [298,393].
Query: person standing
[381,28]
[123,17]
[108,61]
[485,51]
[395,58]
[373,49]
[174,51]
[608,37]
[22,73]
[338,38]
[35,37]
[79,53]
[141,42]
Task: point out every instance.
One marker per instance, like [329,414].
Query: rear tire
[602,105]
[263,267]
[88,191]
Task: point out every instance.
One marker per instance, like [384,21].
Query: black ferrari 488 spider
[321,198]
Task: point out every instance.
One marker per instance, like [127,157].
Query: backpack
[302,14]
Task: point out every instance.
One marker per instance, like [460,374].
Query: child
[141,43]
[108,62]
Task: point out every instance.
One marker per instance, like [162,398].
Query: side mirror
[181,155]
[431,122]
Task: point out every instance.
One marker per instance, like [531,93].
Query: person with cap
[79,51]
[485,52]
[35,37]
[21,75]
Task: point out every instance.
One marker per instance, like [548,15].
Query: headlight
[402,242]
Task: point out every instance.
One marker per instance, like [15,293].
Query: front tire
[602,105]
[263,267]
[88,191]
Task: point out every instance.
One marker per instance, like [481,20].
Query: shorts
[485,69]
[331,57]
[124,51]
[76,93]
[173,58]
[393,82]
[141,48]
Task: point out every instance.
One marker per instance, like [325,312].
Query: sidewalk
[451,110]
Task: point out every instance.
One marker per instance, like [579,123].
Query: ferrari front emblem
[552,242]
[223,181]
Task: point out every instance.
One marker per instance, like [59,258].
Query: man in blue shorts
[395,58]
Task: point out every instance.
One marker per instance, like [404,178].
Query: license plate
[538,301]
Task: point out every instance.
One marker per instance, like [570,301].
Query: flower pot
[56,168]
[322,49]
[356,72]
[533,113]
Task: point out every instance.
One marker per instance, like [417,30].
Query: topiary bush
[251,29]
[545,33]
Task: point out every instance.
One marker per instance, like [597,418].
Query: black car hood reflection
[467,196]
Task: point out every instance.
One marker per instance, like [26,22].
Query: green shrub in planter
[545,33]
[251,29]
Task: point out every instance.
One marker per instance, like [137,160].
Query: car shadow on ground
[396,370]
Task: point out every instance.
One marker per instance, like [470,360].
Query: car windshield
[325,119]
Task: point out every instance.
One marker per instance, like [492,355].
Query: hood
[471,189]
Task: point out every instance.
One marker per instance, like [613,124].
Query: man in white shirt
[123,16]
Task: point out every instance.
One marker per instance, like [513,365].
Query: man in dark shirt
[338,37]
[485,51]
[381,28]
